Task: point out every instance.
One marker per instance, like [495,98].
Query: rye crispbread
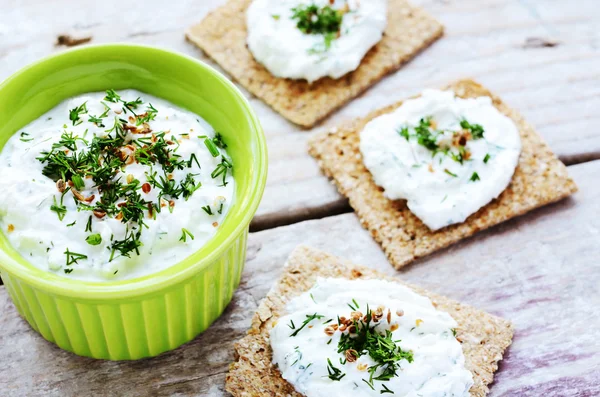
[222,36]
[539,179]
[484,337]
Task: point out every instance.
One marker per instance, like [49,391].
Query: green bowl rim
[166,277]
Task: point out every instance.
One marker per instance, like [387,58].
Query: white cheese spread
[310,39]
[445,155]
[113,185]
[325,347]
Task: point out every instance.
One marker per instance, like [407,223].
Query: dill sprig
[59,208]
[312,19]
[379,346]
[75,113]
[335,373]
[427,136]
[325,21]
[221,170]
[309,318]
[184,234]
[73,257]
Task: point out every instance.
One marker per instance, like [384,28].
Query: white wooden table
[541,270]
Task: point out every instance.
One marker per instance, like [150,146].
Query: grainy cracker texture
[539,179]
[222,36]
[484,337]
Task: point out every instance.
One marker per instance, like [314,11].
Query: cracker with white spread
[483,337]
[539,179]
[223,36]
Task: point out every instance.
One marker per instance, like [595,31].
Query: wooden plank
[539,270]
[556,88]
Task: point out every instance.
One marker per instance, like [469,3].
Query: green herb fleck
[184,234]
[334,373]
[475,129]
[221,169]
[309,318]
[88,225]
[474,177]
[212,148]
[23,135]
[450,173]
[381,347]
[73,257]
[312,19]
[75,113]
[94,239]
[59,208]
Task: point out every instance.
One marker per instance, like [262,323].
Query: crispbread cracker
[484,337]
[222,35]
[539,179]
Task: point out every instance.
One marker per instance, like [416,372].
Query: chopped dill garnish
[75,113]
[184,234]
[59,208]
[23,139]
[309,318]
[73,257]
[381,347]
[447,171]
[325,21]
[334,373]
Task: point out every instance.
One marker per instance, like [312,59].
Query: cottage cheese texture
[43,239]
[287,52]
[439,189]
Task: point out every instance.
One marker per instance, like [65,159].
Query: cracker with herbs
[222,36]
[484,337]
[539,179]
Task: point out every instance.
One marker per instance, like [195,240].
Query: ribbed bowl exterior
[133,328]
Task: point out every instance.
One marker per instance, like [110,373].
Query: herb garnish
[427,135]
[334,373]
[75,113]
[379,346]
[476,129]
[60,209]
[309,318]
[24,134]
[73,257]
[184,234]
[312,19]
[94,239]
[105,156]
[474,177]
[212,148]
[221,170]
[447,171]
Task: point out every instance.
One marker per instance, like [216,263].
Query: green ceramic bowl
[146,316]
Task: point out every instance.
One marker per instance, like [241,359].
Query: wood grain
[499,43]
[539,271]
